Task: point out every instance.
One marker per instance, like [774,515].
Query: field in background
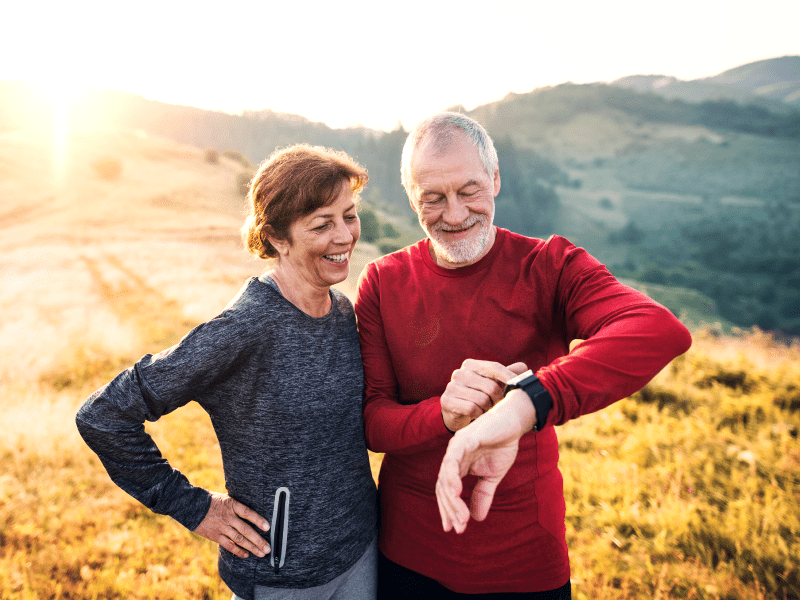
[689,489]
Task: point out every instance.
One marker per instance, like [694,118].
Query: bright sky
[377,63]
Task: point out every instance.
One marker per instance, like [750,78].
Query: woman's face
[322,242]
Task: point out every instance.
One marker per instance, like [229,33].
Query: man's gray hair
[440,128]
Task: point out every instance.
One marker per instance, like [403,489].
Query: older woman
[279,373]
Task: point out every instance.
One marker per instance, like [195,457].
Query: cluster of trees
[748,266]
[527,202]
[753,266]
[377,231]
[739,165]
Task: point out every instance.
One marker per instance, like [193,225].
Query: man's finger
[470,404]
[518,368]
[480,388]
[452,508]
[491,370]
[482,496]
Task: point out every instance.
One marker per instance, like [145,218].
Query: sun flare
[60,92]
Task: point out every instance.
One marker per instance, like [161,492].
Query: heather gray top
[283,390]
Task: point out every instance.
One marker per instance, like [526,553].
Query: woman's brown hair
[292,183]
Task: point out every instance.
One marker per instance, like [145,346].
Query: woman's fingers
[224,524]
[242,534]
[248,514]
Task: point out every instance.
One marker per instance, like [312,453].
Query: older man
[444,324]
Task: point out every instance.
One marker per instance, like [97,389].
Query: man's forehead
[456,149]
[441,142]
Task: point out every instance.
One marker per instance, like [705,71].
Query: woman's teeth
[339,258]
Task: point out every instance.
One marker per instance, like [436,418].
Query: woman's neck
[313,300]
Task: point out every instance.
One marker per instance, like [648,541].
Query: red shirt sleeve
[628,338]
[389,425]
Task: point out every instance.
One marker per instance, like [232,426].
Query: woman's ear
[281,246]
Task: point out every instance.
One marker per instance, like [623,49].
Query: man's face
[453,196]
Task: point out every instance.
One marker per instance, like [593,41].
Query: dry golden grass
[689,489]
[95,273]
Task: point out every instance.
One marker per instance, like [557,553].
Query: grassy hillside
[688,489]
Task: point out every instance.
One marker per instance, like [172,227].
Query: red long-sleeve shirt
[526,300]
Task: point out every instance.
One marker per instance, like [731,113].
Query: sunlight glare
[61,92]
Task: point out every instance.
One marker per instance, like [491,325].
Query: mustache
[468,222]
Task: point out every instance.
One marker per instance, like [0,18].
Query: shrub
[212,156]
[238,157]
[370,227]
[243,182]
[107,168]
[390,231]
[388,247]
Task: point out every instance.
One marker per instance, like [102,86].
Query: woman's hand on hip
[228,523]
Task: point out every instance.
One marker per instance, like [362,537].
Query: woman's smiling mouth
[337,258]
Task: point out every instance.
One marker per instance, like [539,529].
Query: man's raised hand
[475,388]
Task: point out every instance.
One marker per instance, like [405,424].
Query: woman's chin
[337,272]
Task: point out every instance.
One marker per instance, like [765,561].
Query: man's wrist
[519,404]
[452,432]
[539,397]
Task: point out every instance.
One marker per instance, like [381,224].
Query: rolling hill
[78,253]
[772,83]
[624,172]
[686,489]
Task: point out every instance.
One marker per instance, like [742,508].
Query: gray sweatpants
[360,582]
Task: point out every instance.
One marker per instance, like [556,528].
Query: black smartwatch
[542,402]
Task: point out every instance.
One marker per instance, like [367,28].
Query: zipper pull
[280,528]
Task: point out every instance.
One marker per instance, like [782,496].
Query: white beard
[460,251]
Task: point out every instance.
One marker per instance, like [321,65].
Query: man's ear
[496,181]
[413,206]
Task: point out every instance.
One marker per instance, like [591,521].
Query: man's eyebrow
[434,192]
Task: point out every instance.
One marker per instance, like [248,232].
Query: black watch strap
[542,401]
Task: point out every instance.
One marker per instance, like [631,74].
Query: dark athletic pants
[398,583]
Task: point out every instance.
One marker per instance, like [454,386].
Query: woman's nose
[343,235]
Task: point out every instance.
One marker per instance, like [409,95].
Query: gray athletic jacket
[284,393]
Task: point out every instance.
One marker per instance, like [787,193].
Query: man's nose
[455,212]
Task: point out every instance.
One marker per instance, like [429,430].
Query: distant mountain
[703,195]
[774,78]
[773,83]
[692,184]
